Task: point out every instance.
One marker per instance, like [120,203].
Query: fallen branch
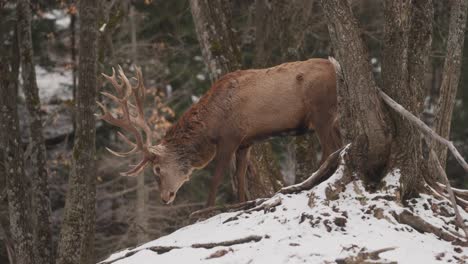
[459,192]
[427,131]
[458,218]
[416,222]
[325,171]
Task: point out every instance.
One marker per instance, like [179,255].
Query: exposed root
[324,172]
[244,240]
[416,222]
[463,194]
[165,249]
[266,207]
[211,211]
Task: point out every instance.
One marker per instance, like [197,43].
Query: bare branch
[458,217]
[427,131]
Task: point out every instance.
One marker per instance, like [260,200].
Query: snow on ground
[55,84]
[293,232]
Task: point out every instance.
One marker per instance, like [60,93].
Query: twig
[427,131]
[458,217]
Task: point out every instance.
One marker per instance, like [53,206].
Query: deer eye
[157,170]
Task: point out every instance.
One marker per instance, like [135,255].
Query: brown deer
[241,108]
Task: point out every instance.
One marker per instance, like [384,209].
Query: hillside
[356,227]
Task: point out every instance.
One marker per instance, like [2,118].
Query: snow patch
[293,232]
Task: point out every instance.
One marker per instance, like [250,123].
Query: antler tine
[112,97]
[139,95]
[137,169]
[130,122]
[124,124]
[122,154]
[113,80]
[126,84]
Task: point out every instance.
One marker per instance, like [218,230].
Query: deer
[240,109]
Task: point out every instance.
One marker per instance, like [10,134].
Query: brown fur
[247,106]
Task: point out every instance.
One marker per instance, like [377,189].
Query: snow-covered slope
[357,226]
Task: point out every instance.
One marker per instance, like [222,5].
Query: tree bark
[362,118]
[17,187]
[140,219]
[451,75]
[77,234]
[407,45]
[218,43]
[222,55]
[43,251]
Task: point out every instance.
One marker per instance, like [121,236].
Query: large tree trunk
[11,148]
[77,234]
[451,75]
[408,29]
[362,118]
[43,251]
[407,44]
[218,44]
[222,55]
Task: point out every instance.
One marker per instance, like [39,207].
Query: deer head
[130,117]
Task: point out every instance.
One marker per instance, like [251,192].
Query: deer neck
[189,139]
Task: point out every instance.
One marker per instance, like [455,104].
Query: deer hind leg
[242,158]
[330,141]
[223,157]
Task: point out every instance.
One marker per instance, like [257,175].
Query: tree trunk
[11,148]
[222,55]
[77,234]
[451,75]
[362,118]
[140,219]
[218,44]
[407,45]
[43,252]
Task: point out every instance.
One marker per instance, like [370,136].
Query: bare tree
[362,118]
[77,234]
[450,75]
[40,192]
[222,55]
[11,148]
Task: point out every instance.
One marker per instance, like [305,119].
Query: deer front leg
[242,157]
[223,158]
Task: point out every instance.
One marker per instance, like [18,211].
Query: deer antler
[132,118]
